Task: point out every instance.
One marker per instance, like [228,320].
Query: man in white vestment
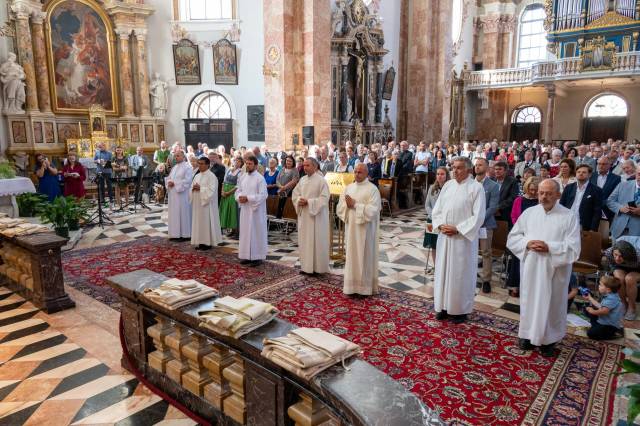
[359,208]
[205,224]
[457,216]
[546,239]
[252,195]
[178,183]
[311,200]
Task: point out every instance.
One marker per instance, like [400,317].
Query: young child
[606,315]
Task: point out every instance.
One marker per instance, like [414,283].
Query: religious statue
[12,76]
[348,108]
[339,18]
[357,126]
[21,161]
[158,90]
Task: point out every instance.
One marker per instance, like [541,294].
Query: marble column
[40,59]
[379,84]
[25,52]
[126,79]
[344,62]
[551,105]
[142,78]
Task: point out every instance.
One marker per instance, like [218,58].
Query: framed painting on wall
[37,132]
[135,133]
[81,57]
[225,62]
[124,131]
[186,62]
[148,133]
[49,136]
[111,131]
[255,123]
[389,80]
[19,132]
[67,131]
[160,132]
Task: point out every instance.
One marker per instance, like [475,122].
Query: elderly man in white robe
[178,183]
[457,216]
[546,239]
[311,200]
[251,195]
[205,220]
[359,208]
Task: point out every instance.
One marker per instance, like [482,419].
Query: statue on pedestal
[12,77]
[158,90]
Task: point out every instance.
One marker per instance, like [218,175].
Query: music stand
[137,196]
[100,217]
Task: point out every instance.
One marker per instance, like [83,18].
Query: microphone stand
[100,217]
[137,196]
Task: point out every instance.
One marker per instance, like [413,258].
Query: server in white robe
[311,200]
[546,239]
[178,184]
[205,220]
[251,196]
[457,217]
[359,208]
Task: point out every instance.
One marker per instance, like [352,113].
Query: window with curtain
[528,114]
[532,42]
[201,10]
[607,106]
[209,105]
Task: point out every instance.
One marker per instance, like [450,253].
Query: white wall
[250,48]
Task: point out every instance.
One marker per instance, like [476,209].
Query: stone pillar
[219,359]
[548,121]
[40,59]
[159,358]
[379,84]
[234,406]
[179,363]
[308,411]
[344,78]
[142,73]
[22,12]
[198,376]
[125,76]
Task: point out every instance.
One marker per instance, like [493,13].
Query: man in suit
[508,191]
[606,181]
[526,164]
[625,203]
[492,194]
[406,158]
[626,170]
[391,165]
[582,157]
[584,199]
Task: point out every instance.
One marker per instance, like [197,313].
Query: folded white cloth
[237,317]
[173,294]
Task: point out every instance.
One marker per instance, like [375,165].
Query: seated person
[606,315]
[623,261]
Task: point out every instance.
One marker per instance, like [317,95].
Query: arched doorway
[525,123]
[605,117]
[209,121]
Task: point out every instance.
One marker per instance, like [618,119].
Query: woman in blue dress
[271,176]
[47,178]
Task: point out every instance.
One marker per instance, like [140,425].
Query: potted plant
[7,171]
[79,212]
[29,202]
[59,212]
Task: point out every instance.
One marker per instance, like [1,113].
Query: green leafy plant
[79,212]
[131,150]
[29,202]
[629,366]
[62,213]
[7,171]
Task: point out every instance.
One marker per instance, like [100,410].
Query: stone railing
[627,64]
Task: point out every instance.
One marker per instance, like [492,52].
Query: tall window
[456,22]
[607,106]
[529,114]
[209,105]
[197,10]
[532,44]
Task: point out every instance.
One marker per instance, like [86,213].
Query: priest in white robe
[252,195]
[546,239]
[457,216]
[205,231]
[359,208]
[311,200]
[178,183]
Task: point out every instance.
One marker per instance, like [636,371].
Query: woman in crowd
[47,177]
[438,160]
[343,163]
[554,162]
[430,239]
[512,158]
[452,152]
[521,203]
[120,165]
[300,167]
[228,206]
[375,171]
[623,259]
[526,174]
[271,176]
[287,179]
[572,153]
[543,159]
[74,176]
[193,160]
[566,174]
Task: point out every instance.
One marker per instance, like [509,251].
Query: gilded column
[25,52]
[126,79]
[40,56]
[143,75]
[548,122]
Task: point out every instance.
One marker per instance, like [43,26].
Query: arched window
[209,104]
[532,42]
[456,22]
[206,10]
[528,114]
[608,105]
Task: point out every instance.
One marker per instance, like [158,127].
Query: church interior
[107,317]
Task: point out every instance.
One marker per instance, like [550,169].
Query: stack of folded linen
[10,222]
[308,351]
[24,229]
[175,293]
[237,317]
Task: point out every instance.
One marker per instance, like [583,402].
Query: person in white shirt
[205,218]
[178,183]
[252,195]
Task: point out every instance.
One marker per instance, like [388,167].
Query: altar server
[204,204]
[457,216]
[252,195]
[311,200]
[546,239]
[359,209]
[178,183]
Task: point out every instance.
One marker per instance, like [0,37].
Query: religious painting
[37,132]
[80,53]
[135,133]
[19,132]
[598,55]
[67,131]
[148,133]
[389,80]
[84,130]
[160,132]
[255,123]
[111,131]
[124,131]
[186,62]
[225,63]
[85,150]
[97,125]
[49,136]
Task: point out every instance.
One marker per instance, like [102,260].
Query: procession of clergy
[546,239]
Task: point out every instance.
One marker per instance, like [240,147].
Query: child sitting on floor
[606,315]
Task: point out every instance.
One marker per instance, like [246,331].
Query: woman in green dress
[228,205]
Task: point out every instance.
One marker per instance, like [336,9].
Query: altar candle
[80,129]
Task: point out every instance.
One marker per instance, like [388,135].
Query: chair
[419,187]
[499,243]
[385,187]
[590,254]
